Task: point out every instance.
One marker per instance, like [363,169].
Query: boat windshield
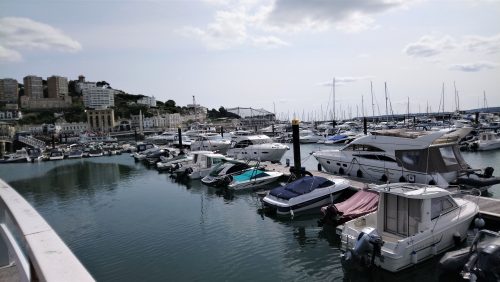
[217,169]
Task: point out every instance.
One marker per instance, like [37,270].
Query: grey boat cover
[300,187]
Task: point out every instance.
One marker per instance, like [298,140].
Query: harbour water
[129,223]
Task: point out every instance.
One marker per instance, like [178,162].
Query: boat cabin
[251,140]
[408,209]
[207,159]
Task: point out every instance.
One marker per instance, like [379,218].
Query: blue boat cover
[249,174]
[300,187]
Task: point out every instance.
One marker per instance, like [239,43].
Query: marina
[116,215]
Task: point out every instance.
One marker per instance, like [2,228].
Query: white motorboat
[488,141]
[203,162]
[211,142]
[89,137]
[400,156]
[308,136]
[413,223]
[75,151]
[219,175]
[20,156]
[307,194]
[252,178]
[141,148]
[34,154]
[257,147]
[56,155]
[168,164]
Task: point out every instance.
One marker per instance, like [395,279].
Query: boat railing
[30,250]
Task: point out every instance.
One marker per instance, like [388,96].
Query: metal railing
[29,244]
[33,142]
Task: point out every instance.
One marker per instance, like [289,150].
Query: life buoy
[359,173]
[341,171]
[383,178]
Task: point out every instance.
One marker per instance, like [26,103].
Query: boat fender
[432,182]
[384,178]
[319,167]
[434,250]
[341,171]
[414,257]
[188,171]
[402,179]
[359,173]
[488,172]
[457,239]
[479,222]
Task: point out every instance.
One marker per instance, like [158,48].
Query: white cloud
[349,16]
[25,34]
[9,55]
[428,46]
[269,42]
[473,67]
[482,44]
[238,22]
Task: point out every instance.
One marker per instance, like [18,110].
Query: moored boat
[413,223]
[306,194]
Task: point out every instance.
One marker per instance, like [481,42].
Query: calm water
[129,223]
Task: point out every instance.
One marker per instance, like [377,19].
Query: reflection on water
[129,223]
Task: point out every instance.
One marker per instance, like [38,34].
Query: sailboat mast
[373,104]
[386,110]
[333,85]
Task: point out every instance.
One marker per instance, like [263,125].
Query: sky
[280,55]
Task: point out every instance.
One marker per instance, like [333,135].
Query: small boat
[413,223]
[478,262]
[211,142]
[220,174]
[95,151]
[169,164]
[363,202]
[203,162]
[306,194]
[308,136]
[488,141]
[56,155]
[252,178]
[20,156]
[75,151]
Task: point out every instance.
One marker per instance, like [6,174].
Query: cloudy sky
[277,54]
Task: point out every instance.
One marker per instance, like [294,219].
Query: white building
[173,120]
[98,97]
[148,101]
[74,127]
[10,115]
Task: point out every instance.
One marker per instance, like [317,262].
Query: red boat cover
[361,203]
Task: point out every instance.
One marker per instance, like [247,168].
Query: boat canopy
[300,187]
[250,174]
[359,204]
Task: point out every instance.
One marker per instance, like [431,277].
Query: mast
[362,106]
[485,102]
[333,85]
[194,105]
[373,104]
[386,109]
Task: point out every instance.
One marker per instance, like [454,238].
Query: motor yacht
[20,156]
[56,154]
[162,139]
[308,136]
[257,147]
[413,222]
[211,142]
[173,163]
[401,156]
[75,151]
[307,194]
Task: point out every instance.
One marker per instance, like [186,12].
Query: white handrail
[48,255]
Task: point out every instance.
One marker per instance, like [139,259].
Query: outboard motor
[368,245]
[488,172]
[331,217]
[485,266]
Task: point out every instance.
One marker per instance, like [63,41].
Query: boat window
[397,215]
[327,183]
[448,155]
[385,158]
[243,144]
[410,158]
[414,215]
[359,147]
[441,205]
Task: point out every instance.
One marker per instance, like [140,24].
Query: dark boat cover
[300,187]
[359,204]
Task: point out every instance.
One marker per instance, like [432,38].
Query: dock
[489,208]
